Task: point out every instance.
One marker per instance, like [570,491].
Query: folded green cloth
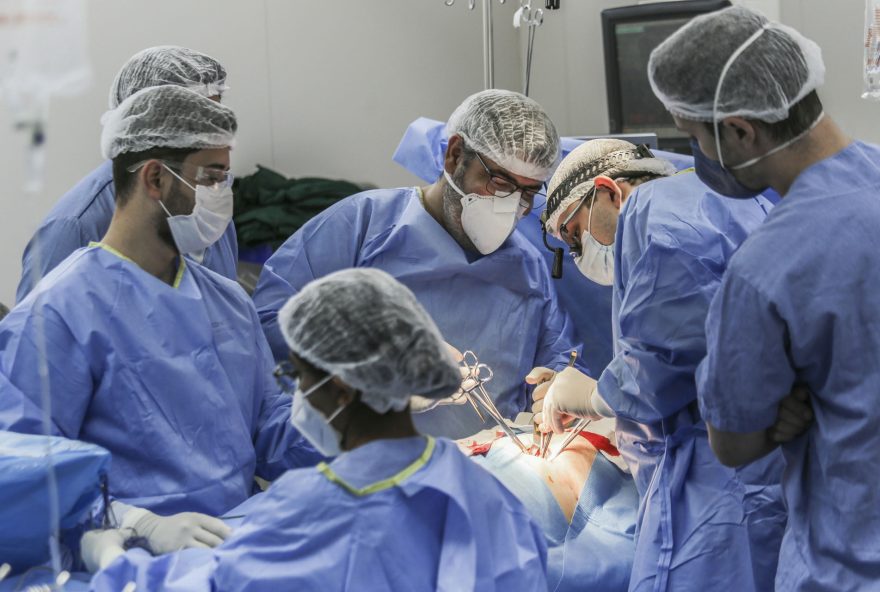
[269,207]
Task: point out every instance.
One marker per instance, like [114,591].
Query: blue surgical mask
[718,178]
[312,424]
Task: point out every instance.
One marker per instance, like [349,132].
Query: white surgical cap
[166,117]
[605,156]
[771,67]
[368,329]
[168,64]
[511,129]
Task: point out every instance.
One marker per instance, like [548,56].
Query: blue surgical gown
[422,151]
[502,306]
[81,216]
[449,526]
[800,303]
[175,381]
[697,518]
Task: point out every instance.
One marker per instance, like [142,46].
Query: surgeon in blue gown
[800,302]
[422,151]
[152,356]
[665,244]
[454,245]
[83,214]
[395,510]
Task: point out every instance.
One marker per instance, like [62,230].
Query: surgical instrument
[545,438]
[576,430]
[472,386]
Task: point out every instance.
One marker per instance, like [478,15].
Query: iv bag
[43,52]
[872,50]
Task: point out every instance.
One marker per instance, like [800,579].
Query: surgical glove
[419,404]
[456,355]
[795,416]
[179,531]
[542,378]
[569,396]
[99,548]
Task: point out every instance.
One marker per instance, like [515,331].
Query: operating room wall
[327,87]
[320,88]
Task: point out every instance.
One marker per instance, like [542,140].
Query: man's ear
[343,394]
[608,184]
[454,150]
[742,129]
[151,178]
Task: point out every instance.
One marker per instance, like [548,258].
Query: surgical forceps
[477,396]
[576,430]
[546,437]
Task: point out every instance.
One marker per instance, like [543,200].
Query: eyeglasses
[574,243]
[209,176]
[503,187]
[287,376]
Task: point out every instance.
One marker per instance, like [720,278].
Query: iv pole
[488,40]
[525,15]
[488,46]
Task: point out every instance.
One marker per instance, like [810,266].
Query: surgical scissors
[472,387]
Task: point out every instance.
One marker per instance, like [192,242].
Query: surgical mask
[596,260]
[312,424]
[195,232]
[488,221]
[718,178]
[714,174]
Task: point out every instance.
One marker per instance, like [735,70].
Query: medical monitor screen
[630,34]
[641,111]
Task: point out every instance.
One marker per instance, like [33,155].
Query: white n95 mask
[596,260]
[488,221]
[195,232]
[312,424]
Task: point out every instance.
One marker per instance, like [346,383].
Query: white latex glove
[100,547]
[543,378]
[419,404]
[456,355]
[569,396]
[179,531]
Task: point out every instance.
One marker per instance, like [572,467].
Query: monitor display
[630,34]
[641,111]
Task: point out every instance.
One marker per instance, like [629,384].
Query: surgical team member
[665,244]
[152,356]
[800,302]
[454,245]
[395,510]
[83,214]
